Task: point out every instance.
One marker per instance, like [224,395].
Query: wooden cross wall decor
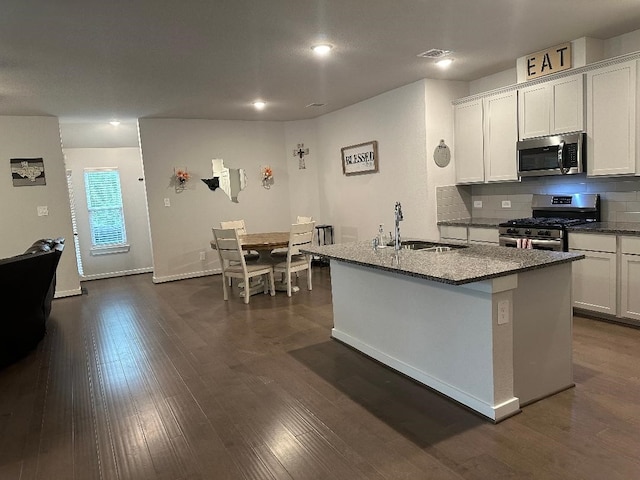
[300,152]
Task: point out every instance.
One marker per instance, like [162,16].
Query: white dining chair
[281,253]
[300,236]
[241,228]
[233,263]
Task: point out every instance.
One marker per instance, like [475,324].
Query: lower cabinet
[453,233]
[594,282]
[608,279]
[595,277]
[483,236]
[471,235]
[630,277]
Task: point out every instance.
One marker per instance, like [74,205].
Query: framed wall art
[361,158]
[27,171]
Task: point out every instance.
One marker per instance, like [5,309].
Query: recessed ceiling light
[444,62]
[259,105]
[115,123]
[322,49]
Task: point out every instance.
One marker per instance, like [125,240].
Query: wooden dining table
[264,244]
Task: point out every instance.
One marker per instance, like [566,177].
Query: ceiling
[94,60]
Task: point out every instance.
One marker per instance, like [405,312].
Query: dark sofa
[27,287]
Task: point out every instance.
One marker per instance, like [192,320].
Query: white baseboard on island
[459,339]
[493,412]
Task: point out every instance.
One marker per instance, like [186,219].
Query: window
[106,216]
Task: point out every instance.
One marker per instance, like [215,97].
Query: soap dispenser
[382,242]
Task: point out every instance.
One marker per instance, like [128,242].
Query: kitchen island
[490,327]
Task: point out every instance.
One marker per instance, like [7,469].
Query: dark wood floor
[143,381]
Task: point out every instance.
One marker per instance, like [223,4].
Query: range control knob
[512,230]
[527,232]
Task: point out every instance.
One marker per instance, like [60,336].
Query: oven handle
[534,241]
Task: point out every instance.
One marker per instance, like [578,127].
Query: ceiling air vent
[316,105]
[434,53]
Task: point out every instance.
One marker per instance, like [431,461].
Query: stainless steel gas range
[552,214]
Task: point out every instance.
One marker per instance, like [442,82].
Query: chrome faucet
[399,218]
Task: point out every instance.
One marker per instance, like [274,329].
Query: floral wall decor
[180,178]
[267,176]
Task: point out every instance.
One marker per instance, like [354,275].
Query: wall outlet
[477,204]
[203,255]
[506,203]
[503,312]
[43,211]
[167,202]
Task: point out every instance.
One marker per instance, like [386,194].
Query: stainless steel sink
[429,246]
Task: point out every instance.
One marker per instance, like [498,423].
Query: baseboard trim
[122,273]
[68,293]
[185,276]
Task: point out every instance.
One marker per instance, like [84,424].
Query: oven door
[554,244]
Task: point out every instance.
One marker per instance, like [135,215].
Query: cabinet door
[533,111]
[483,235]
[594,282]
[611,120]
[500,136]
[468,142]
[453,232]
[567,105]
[630,286]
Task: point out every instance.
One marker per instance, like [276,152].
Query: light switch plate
[477,204]
[506,204]
[167,202]
[43,210]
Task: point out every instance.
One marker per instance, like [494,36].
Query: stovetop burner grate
[543,222]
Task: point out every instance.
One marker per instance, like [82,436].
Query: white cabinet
[485,135]
[468,142]
[483,236]
[500,136]
[594,277]
[611,119]
[453,232]
[551,108]
[471,235]
[630,277]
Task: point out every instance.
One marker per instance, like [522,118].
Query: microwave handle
[563,169]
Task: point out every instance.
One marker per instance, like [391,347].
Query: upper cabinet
[485,135]
[468,142]
[500,136]
[611,119]
[551,108]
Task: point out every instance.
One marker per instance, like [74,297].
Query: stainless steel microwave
[552,155]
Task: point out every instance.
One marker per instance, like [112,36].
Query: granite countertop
[473,222]
[455,267]
[618,228]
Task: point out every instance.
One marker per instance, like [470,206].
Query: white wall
[129,164]
[356,204]
[99,135]
[304,188]
[439,125]
[180,232]
[34,137]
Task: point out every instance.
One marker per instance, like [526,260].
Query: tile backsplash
[620,197]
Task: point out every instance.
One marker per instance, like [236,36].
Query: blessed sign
[361,158]
[552,60]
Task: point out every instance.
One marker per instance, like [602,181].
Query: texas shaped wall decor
[230,180]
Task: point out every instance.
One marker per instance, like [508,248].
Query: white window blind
[104,202]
